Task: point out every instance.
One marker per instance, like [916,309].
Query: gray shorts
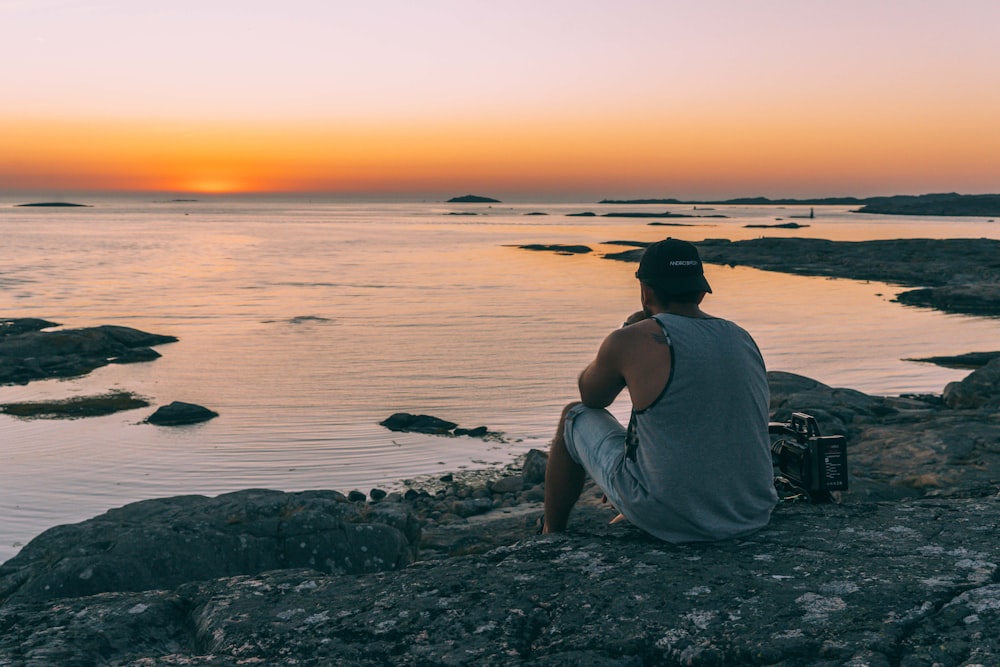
[596,440]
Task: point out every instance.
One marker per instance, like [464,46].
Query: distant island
[939,204]
[747,201]
[54,203]
[944,204]
[473,199]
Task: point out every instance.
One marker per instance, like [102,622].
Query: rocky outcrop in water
[954,275]
[558,248]
[28,351]
[409,423]
[76,407]
[970,299]
[966,360]
[949,204]
[54,204]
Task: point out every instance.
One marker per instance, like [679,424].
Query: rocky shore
[451,571]
[952,275]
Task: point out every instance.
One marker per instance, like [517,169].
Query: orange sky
[571,98]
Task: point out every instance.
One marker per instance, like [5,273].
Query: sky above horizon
[689,99]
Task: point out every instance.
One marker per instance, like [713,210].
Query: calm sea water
[305,323]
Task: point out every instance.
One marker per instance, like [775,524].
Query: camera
[809,462]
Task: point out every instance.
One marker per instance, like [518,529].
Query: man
[695,462]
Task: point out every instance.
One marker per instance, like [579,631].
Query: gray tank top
[699,460]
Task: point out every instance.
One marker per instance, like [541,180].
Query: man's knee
[561,428]
[562,417]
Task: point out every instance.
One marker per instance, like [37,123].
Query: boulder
[162,543]
[179,413]
[979,389]
[534,466]
[834,409]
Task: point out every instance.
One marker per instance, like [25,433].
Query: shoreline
[449,570]
[918,424]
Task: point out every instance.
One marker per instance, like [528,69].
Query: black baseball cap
[674,266]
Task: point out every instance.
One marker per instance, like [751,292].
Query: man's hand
[637,316]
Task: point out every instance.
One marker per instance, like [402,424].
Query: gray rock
[979,389]
[471,507]
[907,583]
[179,413]
[162,543]
[534,466]
[509,484]
[835,409]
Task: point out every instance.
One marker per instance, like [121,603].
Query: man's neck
[682,309]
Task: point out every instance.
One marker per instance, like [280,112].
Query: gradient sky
[700,98]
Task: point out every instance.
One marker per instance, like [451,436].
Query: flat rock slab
[966,360]
[558,248]
[28,352]
[76,407]
[908,583]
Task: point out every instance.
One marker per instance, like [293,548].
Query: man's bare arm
[602,381]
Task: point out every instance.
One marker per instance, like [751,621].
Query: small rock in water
[377,494]
[179,413]
[403,421]
[356,496]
